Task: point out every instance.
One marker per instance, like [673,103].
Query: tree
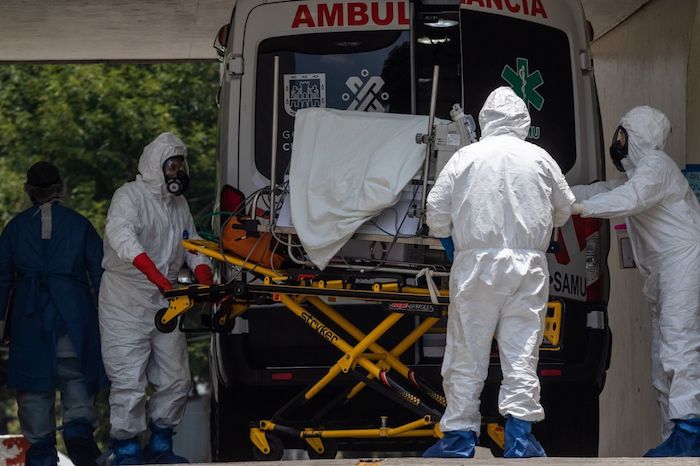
[92,121]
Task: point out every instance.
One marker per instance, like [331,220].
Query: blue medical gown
[55,284]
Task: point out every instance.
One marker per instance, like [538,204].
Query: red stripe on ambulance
[525,7]
[351,14]
[572,239]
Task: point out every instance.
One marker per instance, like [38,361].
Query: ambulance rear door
[540,49]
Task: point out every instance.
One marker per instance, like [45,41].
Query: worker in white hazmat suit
[663,219]
[499,200]
[147,220]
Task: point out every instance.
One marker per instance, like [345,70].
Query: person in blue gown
[50,272]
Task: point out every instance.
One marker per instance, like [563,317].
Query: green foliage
[93,121]
[12,197]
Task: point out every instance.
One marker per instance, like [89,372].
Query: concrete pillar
[693,110]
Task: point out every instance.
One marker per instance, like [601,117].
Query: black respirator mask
[619,148]
[176,175]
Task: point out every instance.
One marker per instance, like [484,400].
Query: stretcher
[308,294]
[404,285]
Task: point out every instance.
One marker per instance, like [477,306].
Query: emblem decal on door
[365,93]
[304,91]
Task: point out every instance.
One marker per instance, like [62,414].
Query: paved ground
[486,462]
[483,458]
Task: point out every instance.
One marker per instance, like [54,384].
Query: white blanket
[346,168]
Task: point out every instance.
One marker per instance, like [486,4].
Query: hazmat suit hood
[504,113]
[647,131]
[163,147]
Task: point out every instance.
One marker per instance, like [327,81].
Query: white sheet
[346,168]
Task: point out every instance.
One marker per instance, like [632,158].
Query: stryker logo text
[324,331]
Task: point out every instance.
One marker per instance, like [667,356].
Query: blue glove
[449,247]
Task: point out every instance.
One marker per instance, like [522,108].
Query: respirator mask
[176,174]
[619,148]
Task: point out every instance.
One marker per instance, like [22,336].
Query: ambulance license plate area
[552,338]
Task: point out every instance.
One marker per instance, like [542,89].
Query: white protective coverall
[144,217]
[499,200]
[663,219]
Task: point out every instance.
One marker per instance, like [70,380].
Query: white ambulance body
[379,56]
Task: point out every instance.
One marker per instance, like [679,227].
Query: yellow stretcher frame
[366,353]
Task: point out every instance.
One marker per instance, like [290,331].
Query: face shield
[177,175]
[619,148]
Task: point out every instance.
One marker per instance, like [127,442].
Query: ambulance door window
[437,43]
[535,60]
[362,71]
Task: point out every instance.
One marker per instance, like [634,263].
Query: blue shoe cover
[455,444]
[43,452]
[126,451]
[519,442]
[683,441]
[160,447]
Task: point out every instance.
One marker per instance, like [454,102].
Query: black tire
[571,423]
[229,427]
[330,450]
[276,449]
[165,327]
[496,450]
[600,383]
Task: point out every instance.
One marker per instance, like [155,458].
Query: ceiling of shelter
[606,14]
[137,30]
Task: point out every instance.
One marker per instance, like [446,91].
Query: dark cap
[43,174]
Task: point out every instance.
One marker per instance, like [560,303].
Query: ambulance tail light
[594,286]
[220,41]
[232,200]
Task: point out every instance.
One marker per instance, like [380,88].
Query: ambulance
[381,56]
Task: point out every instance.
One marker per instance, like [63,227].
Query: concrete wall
[693,100]
[644,60]
[97,30]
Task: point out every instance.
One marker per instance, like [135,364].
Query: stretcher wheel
[330,450]
[165,328]
[223,321]
[276,449]
[495,448]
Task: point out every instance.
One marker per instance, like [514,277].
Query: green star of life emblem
[524,83]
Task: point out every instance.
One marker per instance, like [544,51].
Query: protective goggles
[175,164]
